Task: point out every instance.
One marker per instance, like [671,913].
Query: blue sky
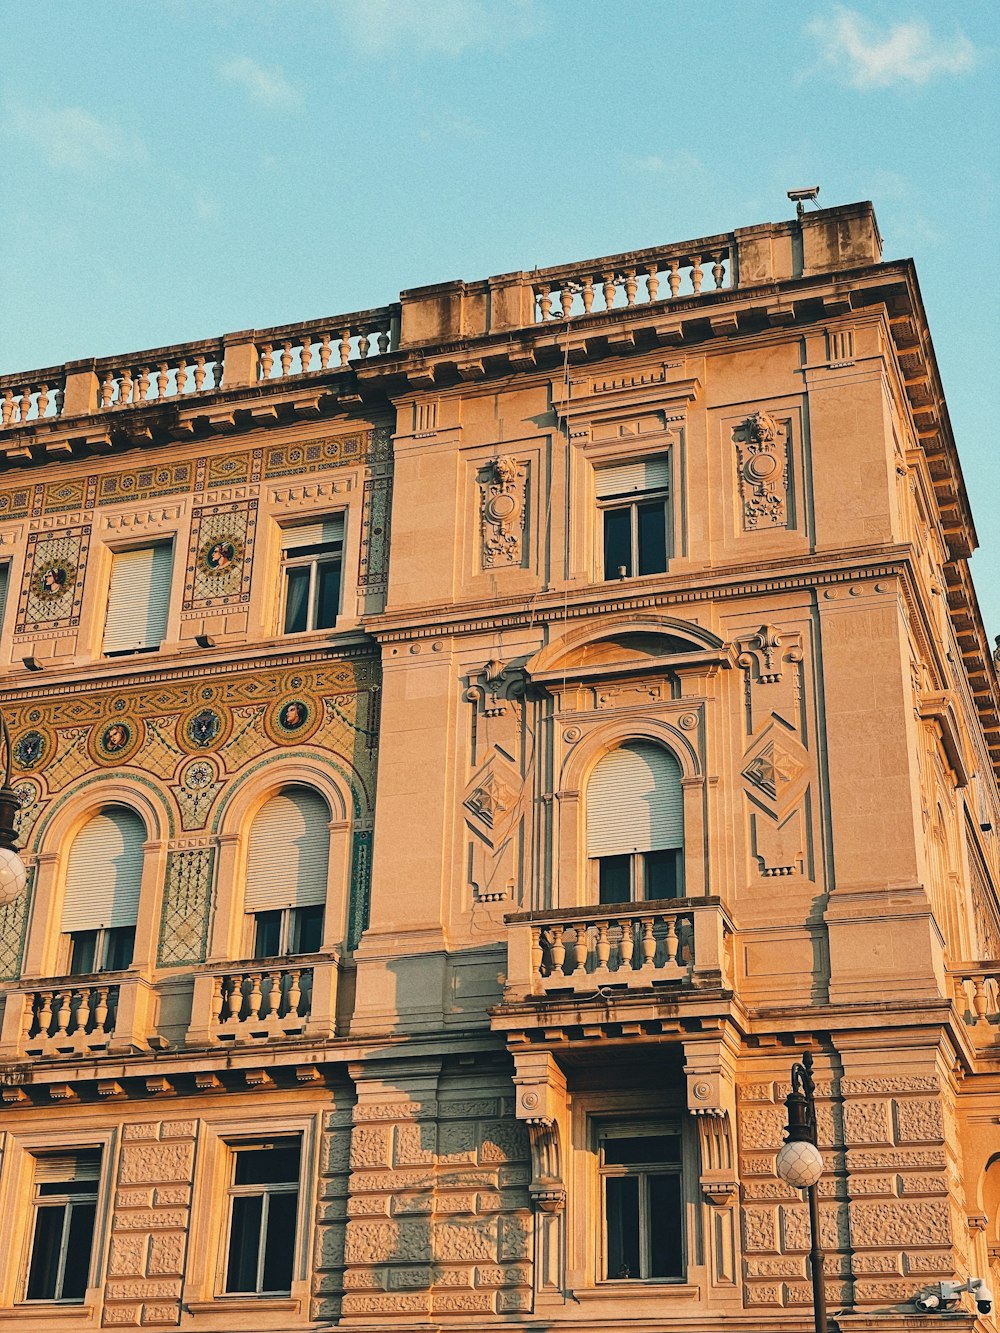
[174,170]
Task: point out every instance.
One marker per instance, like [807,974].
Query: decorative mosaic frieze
[366,446]
[220,555]
[52,586]
[63,497]
[143,483]
[15,503]
[187,900]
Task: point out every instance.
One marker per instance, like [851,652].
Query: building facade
[469,750]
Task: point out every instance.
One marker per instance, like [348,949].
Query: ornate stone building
[469,749]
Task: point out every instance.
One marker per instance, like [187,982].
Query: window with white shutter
[138,600]
[311,556]
[632,499]
[64,1209]
[101,899]
[286,877]
[635,823]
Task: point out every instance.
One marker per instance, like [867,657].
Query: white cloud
[877,58]
[71,138]
[448,27]
[269,87]
[683,167]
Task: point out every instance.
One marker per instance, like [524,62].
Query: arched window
[635,824]
[103,879]
[287,872]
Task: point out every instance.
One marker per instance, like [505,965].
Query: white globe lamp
[799,1164]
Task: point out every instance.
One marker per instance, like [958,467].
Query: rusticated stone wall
[439,1219]
[149,1229]
[889,1220]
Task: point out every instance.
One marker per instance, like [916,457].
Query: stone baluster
[273,995]
[581,948]
[696,274]
[364,344]
[180,378]
[345,346]
[718,269]
[587,294]
[125,387]
[652,281]
[83,1010]
[216,1001]
[45,1014]
[544,302]
[979,999]
[266,360]
[603,947]
[631,286]
[305,354]
[42,401]
[8,406]
[627,946]
[58,396]
[107,389]
[162,379]
[609,290]
[142,384]
[101,1008]
[648,941]
[63,1012]
[217,370]
[234,999]
[536,951]
[324,351]
[25,405]
[383,341]
[557,951]
[674,278]
[199,374]
[671,941]
[566,298]
[294,991]
[255,995]
[286,358]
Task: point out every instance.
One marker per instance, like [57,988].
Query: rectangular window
[104,950]
[263,1208]
[4,583]
[641,876]
[632,498]
[64,1209]
[640,1170]
[138,600]
[311,557]
[288,930]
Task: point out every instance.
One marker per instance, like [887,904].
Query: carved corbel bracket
[541,1104]
[766,651]
[497,688]
[711,1100]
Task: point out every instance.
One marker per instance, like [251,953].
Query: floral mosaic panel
[361,887]
[140,483]
[220,555]
[233,469]
[187,901]
[13,926]
[52,587]
[15,503]
[373,566]
[62,497]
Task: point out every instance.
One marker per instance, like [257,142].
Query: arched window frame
[634,871]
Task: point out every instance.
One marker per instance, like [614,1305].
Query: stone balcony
[615,970]
[60,1017]
[257,1001]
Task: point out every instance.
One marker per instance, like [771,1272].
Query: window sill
[51,1310]
[285,1304]
[658,1289]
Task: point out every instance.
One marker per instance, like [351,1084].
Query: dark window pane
[652,537]
[118,948]
[244,1242]
[280,1244]
[313,548]
[307,929]
[666,1252]
[615,879]
[621,1196]
[328,596]
[641,1148]
[296,600]
[664,873]
[277,1165]
[617,542]
[82,952]
[61,1187]
[45,1246]
[81,1236]
[267,935]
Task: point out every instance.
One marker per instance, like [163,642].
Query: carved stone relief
[762,472]
[502,510]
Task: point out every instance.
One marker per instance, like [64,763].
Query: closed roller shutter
[634,802]
[289,849]
[62,1168]
[104,873]
[138,599]
[4,580]
[313,534]
[645,474]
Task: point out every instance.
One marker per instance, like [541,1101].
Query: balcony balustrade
[977,997]
[87,1015]
[608,950]
[261,1000]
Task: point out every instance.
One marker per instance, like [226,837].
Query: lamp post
[800,1163]
[13,875]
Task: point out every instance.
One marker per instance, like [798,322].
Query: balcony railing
[977,996]
[604,950]
[71,1018]
[269,999]
[86,1015]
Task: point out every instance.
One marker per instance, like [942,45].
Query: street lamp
[13,875]
[800,1163]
